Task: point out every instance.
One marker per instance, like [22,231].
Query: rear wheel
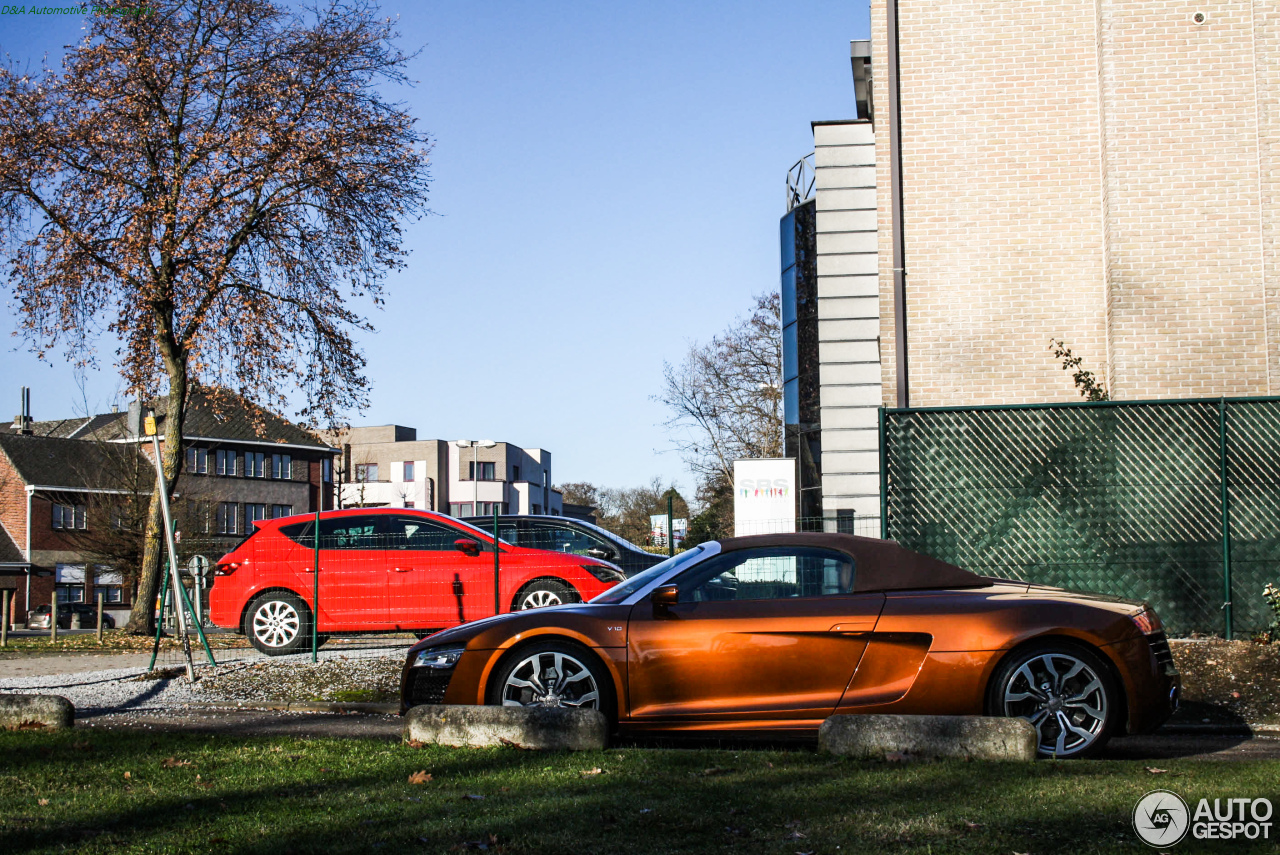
[1065,690]
[544,592]
[552,674]
[278,623]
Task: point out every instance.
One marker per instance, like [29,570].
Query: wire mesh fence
[1177,503]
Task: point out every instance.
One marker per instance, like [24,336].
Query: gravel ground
[354,675]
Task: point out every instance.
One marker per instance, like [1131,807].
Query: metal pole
[164,599]
[208,651]
[173,554]
[315,587]
[99,617]
[6,609]
[497,596]
[53,616]
[475,478]
[884,482]
[895,195]
[671,532]
[1226,520]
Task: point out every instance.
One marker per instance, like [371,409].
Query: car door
[353,575]
[431,583]
[758,634]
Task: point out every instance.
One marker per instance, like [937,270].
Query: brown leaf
[127,775]
[42,802]
[968,824]
[588,772]
[413,743]
[420,777]
[174,762]
[1154,771]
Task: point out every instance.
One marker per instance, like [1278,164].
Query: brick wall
[1096,172]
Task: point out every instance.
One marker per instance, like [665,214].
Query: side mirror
[598,552]
[467,546]
[664,598]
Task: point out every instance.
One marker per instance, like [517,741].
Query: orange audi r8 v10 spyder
[774,633]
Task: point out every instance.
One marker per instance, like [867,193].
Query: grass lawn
[141,792]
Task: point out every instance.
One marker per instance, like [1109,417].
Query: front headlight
[603,573]
[1147,621]
[438,657]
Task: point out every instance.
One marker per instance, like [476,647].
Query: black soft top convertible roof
[881,565]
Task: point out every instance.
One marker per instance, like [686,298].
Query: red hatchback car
[385,569]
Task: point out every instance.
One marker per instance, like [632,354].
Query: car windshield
[620,592]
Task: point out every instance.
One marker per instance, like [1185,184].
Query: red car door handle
[403,569]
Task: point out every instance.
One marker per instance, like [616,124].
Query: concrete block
[968,737]
[36,712]
[541,728]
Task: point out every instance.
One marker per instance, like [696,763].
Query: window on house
[485,471]
[410,504]
[227,518]
[198,517]
[537,509]
[366,472]
[68,516]
[254,511]
[459,509]
[515,473]
[198,461]
[278,511]
[408,470]
[68,582]
[108,582]
[282,467]
[486,509]
[255,464]
[224,462]
[326,470]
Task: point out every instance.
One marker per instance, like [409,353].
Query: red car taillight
[226,569]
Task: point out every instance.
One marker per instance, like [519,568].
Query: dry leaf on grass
[420,777]
[127,775]
[1154,771]
[42,802]
[413,743]
[174,762]
[968,824]
[588,772]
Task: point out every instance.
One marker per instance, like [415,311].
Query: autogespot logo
[1162,818]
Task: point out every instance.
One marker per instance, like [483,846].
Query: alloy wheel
[538,598]
[276,623]
[551,679]
[1063,697]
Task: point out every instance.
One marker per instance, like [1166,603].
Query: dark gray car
[565,534]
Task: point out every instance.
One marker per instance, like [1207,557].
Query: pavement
[355,721]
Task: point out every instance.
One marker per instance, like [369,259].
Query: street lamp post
[475,445]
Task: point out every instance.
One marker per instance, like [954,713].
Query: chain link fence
[1177,503]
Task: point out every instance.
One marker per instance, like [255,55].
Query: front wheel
[552,674]
[544,592]
[278,623]
[1065,690]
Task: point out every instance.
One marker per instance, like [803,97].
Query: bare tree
[212,182]
[725,398]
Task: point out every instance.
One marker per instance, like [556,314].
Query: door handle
[403,569]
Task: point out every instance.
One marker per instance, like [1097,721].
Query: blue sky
[607,181]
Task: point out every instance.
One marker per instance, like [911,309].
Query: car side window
[769,574]
[560,538]
[422,535]
[350,533]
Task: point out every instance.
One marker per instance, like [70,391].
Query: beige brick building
[1105,172]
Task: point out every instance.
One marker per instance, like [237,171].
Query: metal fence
[1174,502]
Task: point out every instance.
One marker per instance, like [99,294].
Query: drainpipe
[27,605]
[895,194]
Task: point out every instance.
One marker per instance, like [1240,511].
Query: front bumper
[1152,680]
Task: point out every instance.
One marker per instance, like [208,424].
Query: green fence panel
[1123,499]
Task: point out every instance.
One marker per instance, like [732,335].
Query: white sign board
[764,496]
